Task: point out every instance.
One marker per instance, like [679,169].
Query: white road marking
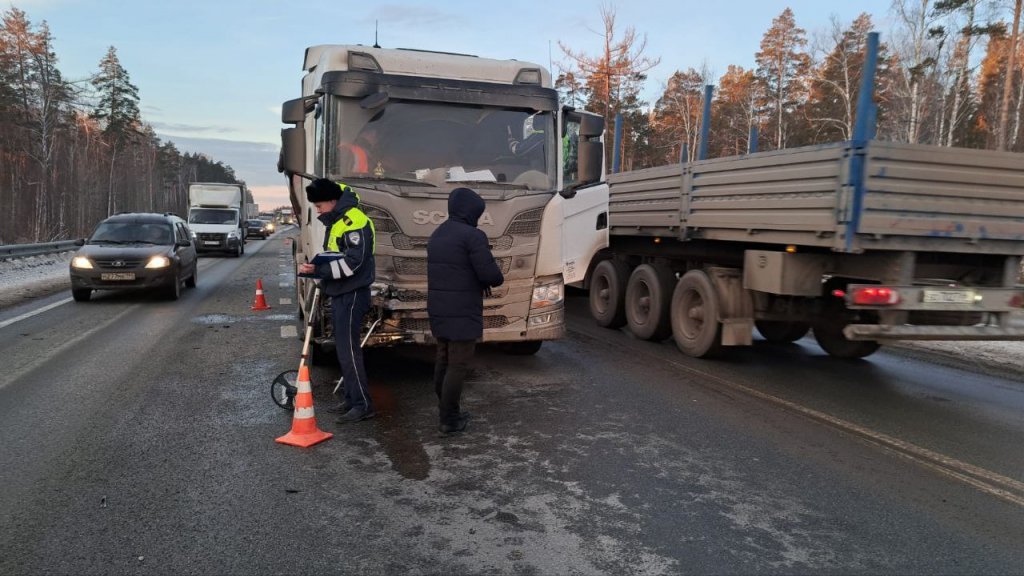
[987,481]
[7,323]
[289,332]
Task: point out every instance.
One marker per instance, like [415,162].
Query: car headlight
[81,262]
[546,295]
[158,262]
[233,234]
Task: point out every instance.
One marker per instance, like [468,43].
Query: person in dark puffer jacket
[460,270]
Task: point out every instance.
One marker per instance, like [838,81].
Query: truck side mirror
[294,111]
[588,164]
[293,151]
[591,125]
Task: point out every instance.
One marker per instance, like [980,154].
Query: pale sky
[213,73]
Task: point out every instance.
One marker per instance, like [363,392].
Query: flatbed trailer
[864,243]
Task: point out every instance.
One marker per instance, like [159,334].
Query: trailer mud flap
[736,310]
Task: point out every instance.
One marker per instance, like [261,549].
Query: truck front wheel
[695,312]
[608,293]
[648,298]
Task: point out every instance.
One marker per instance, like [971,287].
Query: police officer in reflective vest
[345,275]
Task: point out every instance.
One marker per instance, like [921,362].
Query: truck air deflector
[356,84]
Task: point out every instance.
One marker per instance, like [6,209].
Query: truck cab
[404,128]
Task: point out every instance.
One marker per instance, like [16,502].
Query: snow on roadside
[36,276]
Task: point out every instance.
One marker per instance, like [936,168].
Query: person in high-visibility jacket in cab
[346,269]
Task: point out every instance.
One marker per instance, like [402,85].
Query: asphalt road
[138,437]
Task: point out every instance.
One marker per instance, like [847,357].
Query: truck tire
[648,300]
[608,293]
[829,336]
[781,331]
[695,312]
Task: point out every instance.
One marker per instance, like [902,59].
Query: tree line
[75,152]
[949,74]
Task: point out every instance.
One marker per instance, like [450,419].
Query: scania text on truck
[215,216]
[404,128]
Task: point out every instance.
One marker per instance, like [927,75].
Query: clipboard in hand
[320,259]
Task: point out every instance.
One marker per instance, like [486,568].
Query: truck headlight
[158,262]
[233,235]
[546,295]
[81,262]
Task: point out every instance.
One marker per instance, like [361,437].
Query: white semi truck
[404,128]
[216,218]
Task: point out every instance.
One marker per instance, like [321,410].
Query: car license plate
[948,296]
[211,243]
[117,276]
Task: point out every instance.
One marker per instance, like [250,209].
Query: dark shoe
[355,415]
[459,425]
[339,408]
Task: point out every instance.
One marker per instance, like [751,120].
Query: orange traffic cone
[304,431]
[260,303]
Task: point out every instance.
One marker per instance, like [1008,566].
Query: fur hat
[323,190]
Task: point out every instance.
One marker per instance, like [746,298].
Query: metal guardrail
[10,251]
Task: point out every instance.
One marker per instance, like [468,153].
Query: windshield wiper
[390,179]
[512,185]
[107,242]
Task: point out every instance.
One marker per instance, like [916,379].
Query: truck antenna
[375,43]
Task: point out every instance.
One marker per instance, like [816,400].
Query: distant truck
[215,215]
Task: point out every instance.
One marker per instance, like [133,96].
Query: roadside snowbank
[34,276]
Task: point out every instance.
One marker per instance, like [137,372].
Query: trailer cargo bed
[882,196]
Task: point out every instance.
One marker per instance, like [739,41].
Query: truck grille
[210,236]
[420,296]
[403,242]
[418,266]
[423,324]
[526,223]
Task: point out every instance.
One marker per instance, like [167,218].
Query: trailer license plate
[117,276]
[948,296]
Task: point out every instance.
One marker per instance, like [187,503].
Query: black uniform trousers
[347,311]
[451,366]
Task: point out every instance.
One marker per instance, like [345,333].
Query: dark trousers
[450,369]
[347,311]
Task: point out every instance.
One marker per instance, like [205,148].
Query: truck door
[585,211]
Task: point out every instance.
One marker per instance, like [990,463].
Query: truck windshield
[212,216]
[437,144]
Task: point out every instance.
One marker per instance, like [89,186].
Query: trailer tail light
[875,296]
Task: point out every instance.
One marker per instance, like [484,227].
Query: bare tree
[1011,70]
[918,56]
[613,77]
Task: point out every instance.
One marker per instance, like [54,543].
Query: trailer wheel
[829,336]
[648,300]
[695,312]
[608,293]
[781,331]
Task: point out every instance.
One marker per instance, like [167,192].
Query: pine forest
[949,74]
